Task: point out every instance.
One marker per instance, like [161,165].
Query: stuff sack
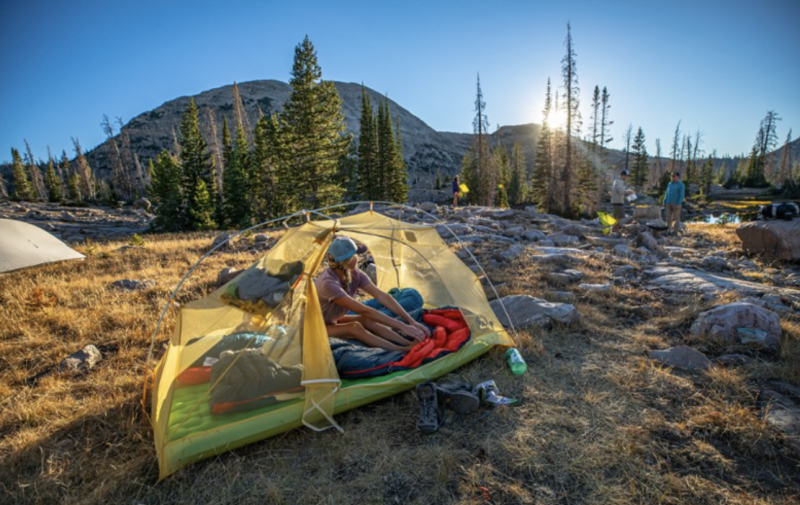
[785,211]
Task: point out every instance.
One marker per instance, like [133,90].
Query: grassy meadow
[597,421]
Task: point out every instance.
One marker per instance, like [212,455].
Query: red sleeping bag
[449,334]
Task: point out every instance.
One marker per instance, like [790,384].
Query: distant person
[456,189]
[337,285]
[673,199]
[618,193]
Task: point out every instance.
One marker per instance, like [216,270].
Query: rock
[714,263]
[502,214]
[733,360]
[562,240]
[429,207]
[81,361]
[227,274]
[547,243]
[564,296]
[625,271]
[513,252]
[647,240]
[526,310]
[623,250]
[683,357]
[739,322]
[456,228]
[132,285]
[782,411]
[222,237]
[647,213]
[261,238]
[576,230]
[514,231]
[533,235]
[600,288]
[142,203]
[775,240]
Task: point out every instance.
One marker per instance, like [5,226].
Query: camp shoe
[458,396]
[428,421]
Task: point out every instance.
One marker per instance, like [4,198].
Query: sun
[558,119]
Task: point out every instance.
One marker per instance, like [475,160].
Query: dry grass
[597,421]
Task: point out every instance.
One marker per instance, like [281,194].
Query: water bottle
[515,362]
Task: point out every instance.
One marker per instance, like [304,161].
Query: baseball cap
[343,248]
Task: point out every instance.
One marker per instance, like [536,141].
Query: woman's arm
[379,317]
[390,303]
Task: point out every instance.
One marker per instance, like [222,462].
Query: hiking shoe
[458,396]
[428,421]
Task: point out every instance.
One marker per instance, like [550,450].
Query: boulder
[714,263]
[513,252]
[455,228]
[533,235]
[81,361]
[222,237]
[132,285]
[227,274]
[775,240]
[142,203]
[782,411]
[428,207]
[623,250]
[625,271]
[562,240]
[599,288]
[502,214]
[683,357]
[261,238]
[525,311]
[739,322]
[647,240]
[647,213]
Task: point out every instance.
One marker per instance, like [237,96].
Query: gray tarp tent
[25,245]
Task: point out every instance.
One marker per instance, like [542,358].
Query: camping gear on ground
[406,255]
[488,393]
[463,187]
[428,421]
[606,221]
[458,397]
[259,290]
[25,245]
[785,210]
[515,361]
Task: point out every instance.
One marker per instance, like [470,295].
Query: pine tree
[640,165]
[398,189]
[197,174]
[486,181]
[119,174]
[22,187]
[165,191]
[367,150]
[587,187]
[594,138]
[3,189]
[84,171]
[542,182]
[38,186]
[707,175]
[785,166]
[236,203]
[518,185]
[262,178]
[53,182]
[571,94]
[74,188]
[605,121]
[313,130]
[387,157]
[469,176]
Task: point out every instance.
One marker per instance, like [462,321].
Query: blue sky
[717,66]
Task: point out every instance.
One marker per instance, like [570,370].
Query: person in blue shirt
[673,199]
[455,191]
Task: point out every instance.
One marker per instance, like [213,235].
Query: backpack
[785,211]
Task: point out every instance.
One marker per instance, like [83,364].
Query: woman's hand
[414,332]
[425,329]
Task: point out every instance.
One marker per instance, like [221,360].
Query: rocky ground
[660,370]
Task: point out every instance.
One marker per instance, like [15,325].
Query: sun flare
[558,119]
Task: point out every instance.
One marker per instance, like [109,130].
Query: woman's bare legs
[355,330]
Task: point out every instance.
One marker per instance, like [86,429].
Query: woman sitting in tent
[336,287]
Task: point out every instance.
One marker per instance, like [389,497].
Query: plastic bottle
[515,362]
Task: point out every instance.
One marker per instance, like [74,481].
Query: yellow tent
[288,331]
